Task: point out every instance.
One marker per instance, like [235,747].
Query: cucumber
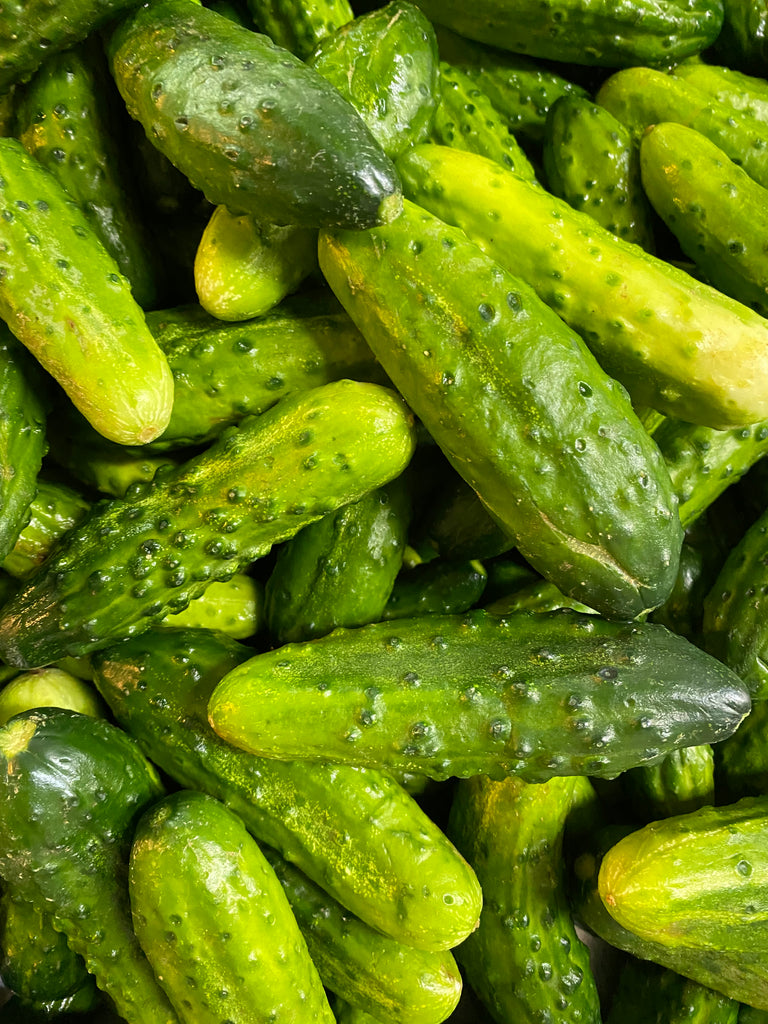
[678,345]
[591,162]
[80,321]
[531,695]
[54,509]
[525,960]
[158,548]
[466,119]
[355,832]
[7,112]
[683,781]
[49,687]
[647,994]
[535,595]
[71,788]
[509,393]
[743,42]
[65,119]
[457,524]
[701,559]
[340,570]
[391,981]
[299,25]
[385,63]
[234,607]
[439,587]
[748,94]
[234,952]
[250,125]
[741,761]
[591,32]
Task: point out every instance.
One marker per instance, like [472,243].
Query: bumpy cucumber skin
[649,994]
[65,120]
[439,587]
[394,982]
[683,781]
[591,162]
[237,953]
[509,393]
[591,32]
[748,94]
[340,570]
[80,321]
[133,560]
[465,118]
[54,509]
[299,25]
[224,372]
[525,960]
[72,788]
[22,438]
[679,345]
[251,126]
[353,831]
[717,212]
[385,63]
[531,695]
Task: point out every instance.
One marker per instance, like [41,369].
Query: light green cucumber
[299,25]
[49,687]
[54,510]
[748,94]
[234,607]
[678,345]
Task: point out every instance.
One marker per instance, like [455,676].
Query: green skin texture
[223,372]
[639,97]
[355,832]
[250,125]
[735,623]
[237,953]
[300,25]
[742,759]
[65,120]
[393,982]
[133,560]
[457,524]
[511,394]
[649,994]
[591,32]
[747,94]
[591,162]
[49,687]
[683,781]
[71,789]
[531,695]
[442,587]
[63,297]
[54,509]
[22,439]
[535,596]
[385,63]
[466,119]
[717,212]
[677,344]
[525,960]
[243,269]
[744,39]
[234,607]
[340,570]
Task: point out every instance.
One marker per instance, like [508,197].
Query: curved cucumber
[509,393]
[237,953]
[80,320]
[632,309]
[158,548]
[53,510]
[531,695]
[299,25]
[250,125]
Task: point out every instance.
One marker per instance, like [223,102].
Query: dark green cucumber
[592,32]
[133,560]
[532,695]
[748,94]
[299,25]
[355,832]
[749,1015]
[511,394]
[525,960]
[252,126]
[54,509]
[340,570]
[22,438]
[223,372]
[741,761]
[7,112]
[378,975]
[80,321]
[591,161]
[71,789]
[680,346]
[465,118]
[439,587]
[715,210]
[214,921]
[743,42]
[648,994]
[385,63]
[535,595]
[683,781]
[457,524]
[65,119]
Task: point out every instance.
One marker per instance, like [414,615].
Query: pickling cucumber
[299,25]
[54,509]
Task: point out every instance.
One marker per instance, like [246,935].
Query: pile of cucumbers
[383,512]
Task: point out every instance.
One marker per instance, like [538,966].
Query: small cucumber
[158,548]
[251,125]
[440,695]
[457,524]
[742,760]
[439,587]
[525,960]
[234,607]
[49,687]
[243,268]
[632,309]
[743,42]
[299,25]
[535,595]
[54,510]
[748,94]
[234,950]
[648,994]
[683,781]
